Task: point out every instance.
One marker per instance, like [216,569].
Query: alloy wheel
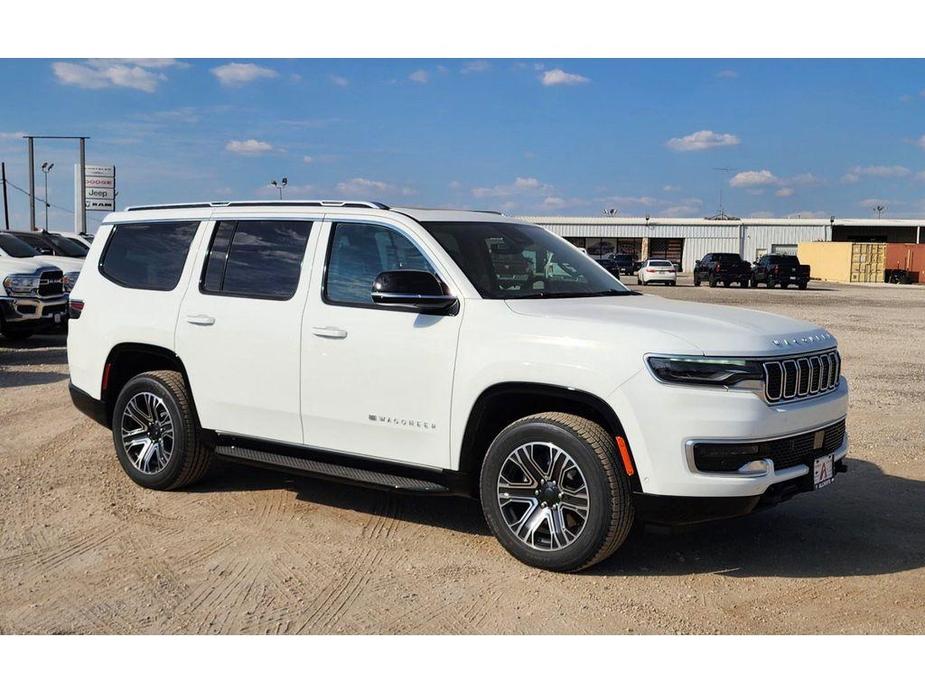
[147,433]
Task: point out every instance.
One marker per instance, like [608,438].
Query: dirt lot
[83,550]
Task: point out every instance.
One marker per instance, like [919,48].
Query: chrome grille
[51,283]
[801,376]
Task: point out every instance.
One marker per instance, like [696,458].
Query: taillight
[775,268]
[74,308]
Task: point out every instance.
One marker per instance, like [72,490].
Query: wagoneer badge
[402,422]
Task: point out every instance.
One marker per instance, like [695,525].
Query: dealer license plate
[58,317]
[823,471]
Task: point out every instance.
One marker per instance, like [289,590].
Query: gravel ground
[83,550]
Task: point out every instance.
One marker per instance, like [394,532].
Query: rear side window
[261,259]
[358,253]
[149,255]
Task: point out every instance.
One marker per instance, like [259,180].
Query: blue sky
[535,136]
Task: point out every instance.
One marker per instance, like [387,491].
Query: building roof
[604,220]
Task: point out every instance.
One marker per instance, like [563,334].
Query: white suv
[444,352]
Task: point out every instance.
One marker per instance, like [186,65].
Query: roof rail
[263,203]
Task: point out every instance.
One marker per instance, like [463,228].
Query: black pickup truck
[780,271]
[725,268]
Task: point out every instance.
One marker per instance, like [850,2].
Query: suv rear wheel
[553,494]
[155,434]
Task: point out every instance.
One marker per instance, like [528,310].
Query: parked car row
[773,270]
[38,270]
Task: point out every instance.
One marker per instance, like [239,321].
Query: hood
[61,262]
[10,265]
[710,329]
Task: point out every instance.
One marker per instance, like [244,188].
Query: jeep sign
[100,188]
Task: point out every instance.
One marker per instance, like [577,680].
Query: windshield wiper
[575,295]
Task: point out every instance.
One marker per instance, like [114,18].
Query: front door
[376,382]
[239,327]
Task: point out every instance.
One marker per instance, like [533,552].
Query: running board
[355,475]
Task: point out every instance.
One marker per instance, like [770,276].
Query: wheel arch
[128,359]
[500,404]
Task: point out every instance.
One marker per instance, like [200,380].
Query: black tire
[673,283]
[189,459]
[696,281]
[784,285]
[752,282]
[802,285]
[15,333]
[713,281]
[726,283]
[593,451]
[770,283]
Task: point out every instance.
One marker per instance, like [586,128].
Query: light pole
[283,182]
[879,210]
[46,169]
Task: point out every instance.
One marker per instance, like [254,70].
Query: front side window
[148,255]
[256,258]
[14,247]
[521,261]
[358,253]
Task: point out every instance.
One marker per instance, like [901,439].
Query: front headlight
[706,371]
[70,278]
[20,284]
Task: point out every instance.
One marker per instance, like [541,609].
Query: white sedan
[657,271]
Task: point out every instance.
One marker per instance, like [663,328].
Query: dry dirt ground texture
[83,550]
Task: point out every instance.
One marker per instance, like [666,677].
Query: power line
[99,215]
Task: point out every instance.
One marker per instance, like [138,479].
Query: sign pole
[6,207]
[31,183]
[82,226]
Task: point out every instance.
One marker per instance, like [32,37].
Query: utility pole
[31,182]
[726,170]
[46,169]
[6,208]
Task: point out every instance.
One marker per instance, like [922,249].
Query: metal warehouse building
[686,240]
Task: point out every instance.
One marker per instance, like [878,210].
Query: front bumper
[32,312]
[662,421]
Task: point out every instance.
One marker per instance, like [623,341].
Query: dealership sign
[100,188]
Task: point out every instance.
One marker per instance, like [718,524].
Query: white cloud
[366,186]
[670,188]
[803,179]
[921,141]
[521,185]
[727,74]
[339,81]
[475,66]
[752,179]
[920,176]
[455,185]
[12,136]
[107,74]
[701,140]
[307,159]
[784,192]
[855,173]
[557,77]
[419,76]
[238,74]
[873,202]
[248,147]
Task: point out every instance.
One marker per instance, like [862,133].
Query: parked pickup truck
[780,271]
[725,268]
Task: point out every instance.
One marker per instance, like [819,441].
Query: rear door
[239,327]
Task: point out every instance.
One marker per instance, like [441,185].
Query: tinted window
[256,258]
[68,247]
[727,257]
[358,253]
[149,255]
[521,261]
[784,260]
[15,248]
[661,263]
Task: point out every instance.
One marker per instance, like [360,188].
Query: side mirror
[414,289]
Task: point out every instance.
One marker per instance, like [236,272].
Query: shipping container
[844,261]
[908,257]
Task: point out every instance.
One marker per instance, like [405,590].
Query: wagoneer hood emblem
[823,338]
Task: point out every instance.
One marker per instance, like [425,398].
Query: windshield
[68,247]
[520,261]
[15,248]
[38,244]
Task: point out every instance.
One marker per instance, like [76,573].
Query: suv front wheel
[155,433]
[553,493]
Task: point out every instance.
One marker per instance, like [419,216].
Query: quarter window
[256,258]
[358,253]
[149,255]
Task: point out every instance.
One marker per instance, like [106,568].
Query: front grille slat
[801,376]
[51,283]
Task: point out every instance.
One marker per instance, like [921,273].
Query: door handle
[200,319]
[336,333]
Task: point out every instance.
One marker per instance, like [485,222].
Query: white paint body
[400,386]
[659,271]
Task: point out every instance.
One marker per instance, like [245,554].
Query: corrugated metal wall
[699,238]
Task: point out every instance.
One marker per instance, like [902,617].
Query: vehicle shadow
[42,350]
[453,513]
[866,523]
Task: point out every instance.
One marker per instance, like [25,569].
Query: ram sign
[100,188]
